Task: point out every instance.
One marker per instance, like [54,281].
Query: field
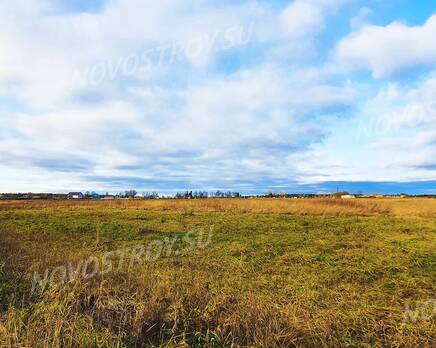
[218,273]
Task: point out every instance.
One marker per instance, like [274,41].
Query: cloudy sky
[303,95]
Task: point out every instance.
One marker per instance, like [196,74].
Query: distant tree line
[133,194]
[30,195]
[205,194]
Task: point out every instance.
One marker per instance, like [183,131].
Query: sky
[249,96]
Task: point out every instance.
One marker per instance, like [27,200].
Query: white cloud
[304,18]
[408,120]
[390,49]
[42,50]
[396,107]
[400,126]
[392,138]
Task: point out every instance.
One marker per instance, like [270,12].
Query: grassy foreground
[279,272]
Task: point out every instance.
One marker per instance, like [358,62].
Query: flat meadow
[218,273]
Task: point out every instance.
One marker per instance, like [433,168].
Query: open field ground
[218,273]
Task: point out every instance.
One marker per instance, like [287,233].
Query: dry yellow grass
[406,207]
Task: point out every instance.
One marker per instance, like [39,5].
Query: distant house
[107,197]
[374,196]
[348,196]
[75,195]
[25,196]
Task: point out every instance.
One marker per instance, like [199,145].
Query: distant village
[132,194]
